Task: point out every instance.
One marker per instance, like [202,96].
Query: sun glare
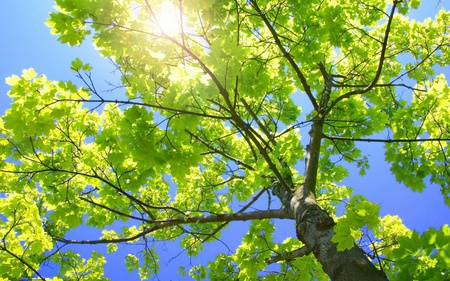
[169,18]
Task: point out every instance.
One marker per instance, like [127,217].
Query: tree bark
[314,227]
[315,230]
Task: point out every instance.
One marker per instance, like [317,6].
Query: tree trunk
[314,226]
[315,230]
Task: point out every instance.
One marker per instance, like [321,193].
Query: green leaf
[414,4]
[28,74]
[131,262]
[77,64]
[12,80]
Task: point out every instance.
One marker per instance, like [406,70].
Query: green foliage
[422,256]
[132,262]
[297,269]
[73,266]
[332,195]
[251,255]
[359,213]
[78,65]
[74,28]
[198,272]
[415,162]
[209,119]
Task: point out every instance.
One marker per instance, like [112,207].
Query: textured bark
[315,230]
[314,226]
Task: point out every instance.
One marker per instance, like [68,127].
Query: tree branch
[3,248]
[160,107]
[223,153]
[161,224]
[268,134]
[112,210]
[391,84]
[242,210]
[288,256]
[386,140]
[380,63]
[291,61]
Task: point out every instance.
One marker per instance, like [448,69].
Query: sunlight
[168,18]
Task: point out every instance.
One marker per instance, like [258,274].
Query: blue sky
[26,42]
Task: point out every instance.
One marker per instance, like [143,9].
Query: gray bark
[314,227]
[315,230]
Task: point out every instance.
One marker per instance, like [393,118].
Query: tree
[207,130]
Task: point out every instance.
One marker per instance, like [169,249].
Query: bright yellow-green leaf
[13,80]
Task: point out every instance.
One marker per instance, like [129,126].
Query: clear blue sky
[26,42]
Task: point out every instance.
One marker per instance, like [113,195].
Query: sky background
[26,42]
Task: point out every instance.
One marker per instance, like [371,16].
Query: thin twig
[386,140]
